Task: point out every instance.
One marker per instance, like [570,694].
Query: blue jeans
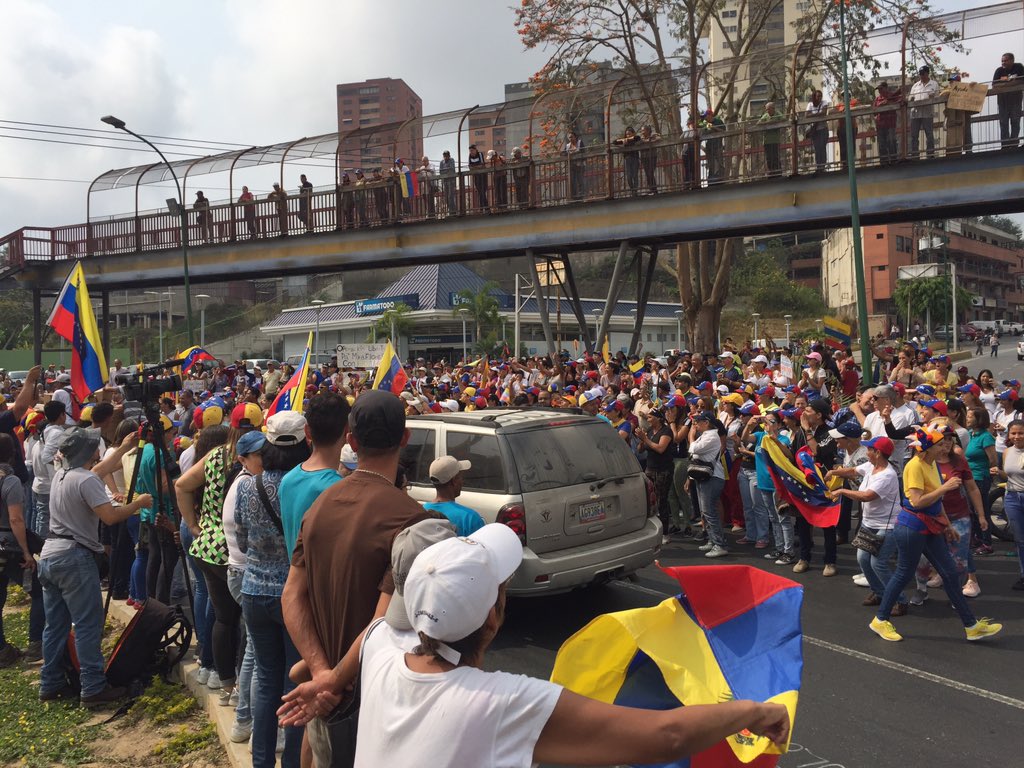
[12,571]
[275,655]
[41,521]
[137,581]
[876,567]
[708,493]
[71,594]
[245,683]
[783,526]
[755,515]
[1013,505]
[911,545]
[202,610]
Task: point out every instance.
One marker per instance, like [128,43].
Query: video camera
[145,387]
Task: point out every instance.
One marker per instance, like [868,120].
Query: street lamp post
[679,328]
[183,215]
[756,316]
[597,328]
[318,303]
[788,319]
[817,324]
[462,313]
[851,168]
[202,318]
[159,319]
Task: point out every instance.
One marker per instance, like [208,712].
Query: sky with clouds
[249,72]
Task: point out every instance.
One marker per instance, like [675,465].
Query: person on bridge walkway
[630,158]
[649,158]
[305,196]
[885,123]
[817,131]
[248,203]
[571,150]
[1009,103]
[771,135]
[280,198]
[922,117]
[477,168]
[202,208]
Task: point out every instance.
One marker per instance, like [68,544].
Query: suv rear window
[488,470]
[417,455]
[581,452]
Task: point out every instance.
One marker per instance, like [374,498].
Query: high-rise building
[370,116]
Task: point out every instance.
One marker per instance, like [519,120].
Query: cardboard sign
[970,97]
[786,367]
[359,355]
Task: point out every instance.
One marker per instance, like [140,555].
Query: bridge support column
[614,288]
[37,326]
[542,304]
[643,292]
[569,290]
[105,331]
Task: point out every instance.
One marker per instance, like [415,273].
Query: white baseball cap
[442,470]
[453,584]
[760,359]
[286,428]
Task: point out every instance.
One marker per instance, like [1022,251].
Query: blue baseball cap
[250,442]
[850,428]
[926,389]
[749,408]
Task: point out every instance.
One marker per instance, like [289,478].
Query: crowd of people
[287,523]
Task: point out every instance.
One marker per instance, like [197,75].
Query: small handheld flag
[292,393]
[410,184]
[73,320]
[191,356]
[837,333]
[801,483]
[390,376]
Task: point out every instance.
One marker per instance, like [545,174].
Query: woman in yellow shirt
[922,528]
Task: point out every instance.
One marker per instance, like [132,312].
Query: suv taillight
[514,516]
[652,497]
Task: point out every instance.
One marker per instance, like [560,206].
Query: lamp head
[113,121]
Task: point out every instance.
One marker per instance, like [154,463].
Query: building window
[367,91]
[880,236]
[728,14]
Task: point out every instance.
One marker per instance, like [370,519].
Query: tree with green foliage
[15,318]
[930,293]
[483,314]
[395,320]
[760,276]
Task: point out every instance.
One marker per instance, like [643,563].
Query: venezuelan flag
[801,483]
[291,394]
[410,184]
[732,633]
[191,356]
[837,333]
[637,369]
[390,375]
[73,320]
[605,351]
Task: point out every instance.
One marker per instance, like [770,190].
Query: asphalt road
[932,701]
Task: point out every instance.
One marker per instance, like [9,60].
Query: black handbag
[10,549]
[343,721]
[700,470]
[868,541]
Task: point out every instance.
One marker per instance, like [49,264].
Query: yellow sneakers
[983,628]
[886,631]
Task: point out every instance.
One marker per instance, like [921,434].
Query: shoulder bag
[267,504]
[871,542]
[342,723]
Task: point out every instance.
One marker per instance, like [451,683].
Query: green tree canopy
[929,293]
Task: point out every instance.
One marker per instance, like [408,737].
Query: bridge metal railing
[737,153]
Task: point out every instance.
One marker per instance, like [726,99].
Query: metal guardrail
[718,155]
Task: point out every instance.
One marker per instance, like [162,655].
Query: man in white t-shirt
[922,117]
[436,707]
[888,402]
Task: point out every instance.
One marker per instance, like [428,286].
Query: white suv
[565,482]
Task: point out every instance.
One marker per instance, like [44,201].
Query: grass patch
[162,703]
[185,742]
[34,734]
[17,596]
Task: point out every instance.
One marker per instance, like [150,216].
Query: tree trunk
[702,273]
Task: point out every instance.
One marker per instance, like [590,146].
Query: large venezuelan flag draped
[410,184]
[72,319]
[801,483]
[291,394]
[837,333]
[191,356]
[390,375]
[732,633]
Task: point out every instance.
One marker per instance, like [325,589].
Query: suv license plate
[592,512]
